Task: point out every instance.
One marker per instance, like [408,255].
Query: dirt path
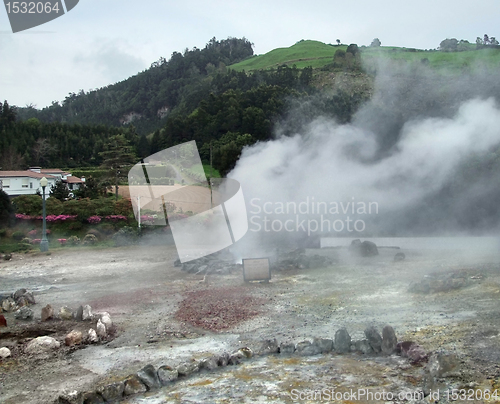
[142,290]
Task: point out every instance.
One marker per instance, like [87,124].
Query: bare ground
[150,300]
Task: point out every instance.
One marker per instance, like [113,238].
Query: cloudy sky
[101,42]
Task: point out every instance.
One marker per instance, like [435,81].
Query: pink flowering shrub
[59,218]
[94,219]
[23,216]
[148,219]
[36,241]
[32,233]
[62,241]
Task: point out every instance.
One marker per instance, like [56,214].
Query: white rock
[42,344]
[93,336]
[87,313]
[106,320]
[4,353]
[101,329]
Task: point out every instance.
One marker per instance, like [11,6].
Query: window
[6,183]
[25,182]
[31,185]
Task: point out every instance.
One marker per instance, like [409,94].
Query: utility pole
[210,180]
[139,210]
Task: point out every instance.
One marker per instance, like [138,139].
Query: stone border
[150,379]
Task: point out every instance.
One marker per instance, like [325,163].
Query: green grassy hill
[318,54]
[302,54]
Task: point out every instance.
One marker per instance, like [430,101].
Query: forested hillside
[195,96]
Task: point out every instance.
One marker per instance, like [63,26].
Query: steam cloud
[424,148]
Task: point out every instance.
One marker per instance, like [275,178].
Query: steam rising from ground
[417,170]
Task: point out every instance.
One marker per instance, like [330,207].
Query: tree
[11,159]
[43,150]
[375,43]
[338,42]
[117,158]
[5,208]
[59,191]
[448,45]
[90,189]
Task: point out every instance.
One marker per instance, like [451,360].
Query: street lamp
[44,244]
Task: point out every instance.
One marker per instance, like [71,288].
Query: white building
[16,183]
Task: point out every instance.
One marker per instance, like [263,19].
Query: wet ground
[142,291]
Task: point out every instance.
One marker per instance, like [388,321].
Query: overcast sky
[101,42]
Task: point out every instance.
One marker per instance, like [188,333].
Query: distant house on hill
[16,183]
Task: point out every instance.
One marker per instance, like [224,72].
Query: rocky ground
[447,304]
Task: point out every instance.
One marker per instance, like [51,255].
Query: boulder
[411,350]
[223,359]
[307,348]
[134,385]
[65,313]
[47,313]
[29,297]
[42,345]
[79,314]
[149,377]
[24,313]
[73,338]
[187,368]
[374,339]
[4,353]
[112,392]
[287,348]
[269,346]
[389,340]
[247,352]
[87,313]
[92,336]
[92,398]
[72,397]
[22,301]
[235,358]
[324,344]
[209,363]
[342,342]
[106,320]
[18,293]
[363,346]
[167,375]
[101,329]
[9,305]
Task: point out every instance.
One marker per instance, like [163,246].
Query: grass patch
[318,54]
[302,54]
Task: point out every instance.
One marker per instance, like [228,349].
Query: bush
[3,232]
[89,239]
[28,205]
[125,236]
[18,235]
[54,206]
[96,233]
[26,240]
[73,240]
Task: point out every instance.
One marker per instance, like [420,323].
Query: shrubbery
[89,239]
